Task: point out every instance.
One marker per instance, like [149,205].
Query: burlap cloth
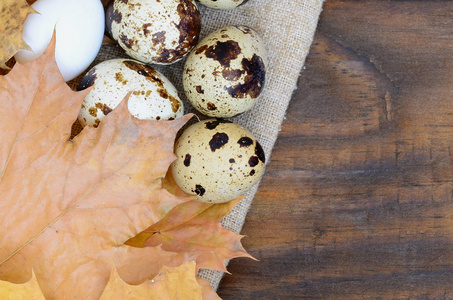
[287,27]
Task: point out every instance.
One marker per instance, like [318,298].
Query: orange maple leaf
[68,206]
[12,17]
[194,227]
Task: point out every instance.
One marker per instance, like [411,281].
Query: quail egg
[154,31]
[222,4]
[225,74]
[153,96]
[217,160]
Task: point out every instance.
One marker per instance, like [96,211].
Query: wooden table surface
[357,202]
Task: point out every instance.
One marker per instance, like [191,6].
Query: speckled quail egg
[154,31]
[217,160]
[153,96]
[225,74]
[222,4]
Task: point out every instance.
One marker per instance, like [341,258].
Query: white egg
[153,96]
[222,4]
[79,28]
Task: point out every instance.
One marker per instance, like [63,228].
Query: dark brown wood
[357,202]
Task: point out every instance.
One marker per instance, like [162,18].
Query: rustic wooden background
[357,200]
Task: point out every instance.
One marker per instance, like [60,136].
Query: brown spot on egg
[93,112]
[213,124]
[163,93]
[104,108]
[165,55]
[232,75]
[218,141]
[260,152]
[145,28]
[245,142]
[252,172]
[199,89]
[189,28]
[126,41]
[253,161]
[120,78]
[201,49]
[111,15]
[224,52]
[211,106]
[187,160]
[190,24]
[96,123]
[144,70]
[88,80]
[158,37]
[232,161]
[199,190]
[253,81]
[175,104]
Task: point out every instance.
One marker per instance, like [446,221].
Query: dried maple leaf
[207,291]
[68,206]
[194,227]
[28,290]
[12,17]
[171,283]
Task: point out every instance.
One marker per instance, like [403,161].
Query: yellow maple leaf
[171,283]
[25,291]
[12,17]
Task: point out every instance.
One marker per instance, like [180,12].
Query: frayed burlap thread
[287,27]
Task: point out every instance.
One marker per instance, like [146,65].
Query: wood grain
[357,202]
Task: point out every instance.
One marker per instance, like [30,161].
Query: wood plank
[357,200]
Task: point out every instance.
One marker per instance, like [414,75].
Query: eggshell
[222,4]
[226,72]
[153,96]
[79,29]
[217,160]
[152,31]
